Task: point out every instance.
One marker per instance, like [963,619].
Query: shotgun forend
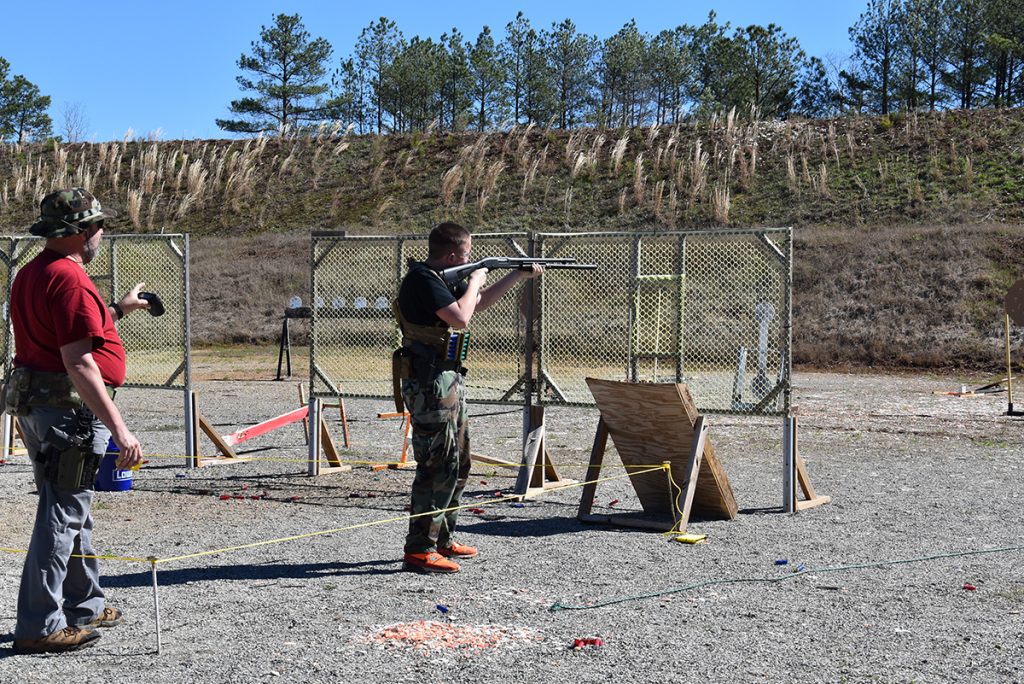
[456,274]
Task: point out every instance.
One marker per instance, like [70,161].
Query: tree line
[930,54]
[907,55]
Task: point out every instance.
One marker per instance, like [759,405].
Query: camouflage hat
[67,212]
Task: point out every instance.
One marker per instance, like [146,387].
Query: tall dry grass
[618,152]
[450,183]
[639,180]
[721,203]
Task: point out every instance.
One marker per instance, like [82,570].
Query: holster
[401,369]
[69,462]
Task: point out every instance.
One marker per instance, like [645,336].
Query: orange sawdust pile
[427,635]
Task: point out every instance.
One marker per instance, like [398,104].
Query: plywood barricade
[651,424]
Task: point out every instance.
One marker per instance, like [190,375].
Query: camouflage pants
[440,442]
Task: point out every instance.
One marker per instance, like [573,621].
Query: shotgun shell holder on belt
[458,345]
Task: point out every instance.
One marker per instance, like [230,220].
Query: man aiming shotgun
[436,301]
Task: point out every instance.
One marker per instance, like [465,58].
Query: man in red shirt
[69,359]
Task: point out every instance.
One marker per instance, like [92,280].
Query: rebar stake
[156,604]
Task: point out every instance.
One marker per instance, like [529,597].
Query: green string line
[555,607]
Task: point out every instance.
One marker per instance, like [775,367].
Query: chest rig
[425,350]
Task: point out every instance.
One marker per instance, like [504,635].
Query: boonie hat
[66,212]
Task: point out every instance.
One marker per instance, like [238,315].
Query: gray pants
[56,589]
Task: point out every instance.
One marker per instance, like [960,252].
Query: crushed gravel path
[912,475]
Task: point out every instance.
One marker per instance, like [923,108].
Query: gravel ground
[912,475]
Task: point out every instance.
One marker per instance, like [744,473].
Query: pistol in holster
[68,459]
[401,369]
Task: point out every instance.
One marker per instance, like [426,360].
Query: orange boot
[430,563]
[457,551]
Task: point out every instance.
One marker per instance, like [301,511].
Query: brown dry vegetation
[908,296]
[876,282]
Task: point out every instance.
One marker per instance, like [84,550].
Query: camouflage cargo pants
[440,442]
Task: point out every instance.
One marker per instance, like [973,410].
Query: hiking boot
[430,563]
[110,617]
[68,639]
[457,551]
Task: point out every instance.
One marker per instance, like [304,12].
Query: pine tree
[488,79]
[23,109]
[767,70]
[877,41]
[520,42]
[289,71]
[570,57]
[377,47]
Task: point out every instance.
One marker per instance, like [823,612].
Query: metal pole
[191,460]
[8,437]
[788,465]
[1009,367]
[531,379]
[156,604]
[314,435]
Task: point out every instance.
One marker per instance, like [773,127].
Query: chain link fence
[353,330]
[711,309]
[708,308]
[157,347]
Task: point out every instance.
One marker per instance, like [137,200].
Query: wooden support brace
[537,472]
[404,461]
[593,470]
[811,498]
[344,422]
[330,452]
[689,486]
[492,460]
[15,433]
[227,454]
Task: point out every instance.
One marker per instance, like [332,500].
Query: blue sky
[171,66]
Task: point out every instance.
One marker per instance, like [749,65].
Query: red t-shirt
[53,303]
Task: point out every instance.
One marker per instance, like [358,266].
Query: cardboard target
[1015,302]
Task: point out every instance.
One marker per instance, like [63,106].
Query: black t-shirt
[423,292]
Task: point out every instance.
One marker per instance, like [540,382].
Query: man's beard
[89,252]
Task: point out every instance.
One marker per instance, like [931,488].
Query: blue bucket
[110,478]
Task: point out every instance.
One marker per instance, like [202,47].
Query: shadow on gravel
[517,527]
[267,571]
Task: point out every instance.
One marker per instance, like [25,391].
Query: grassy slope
[877,280]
